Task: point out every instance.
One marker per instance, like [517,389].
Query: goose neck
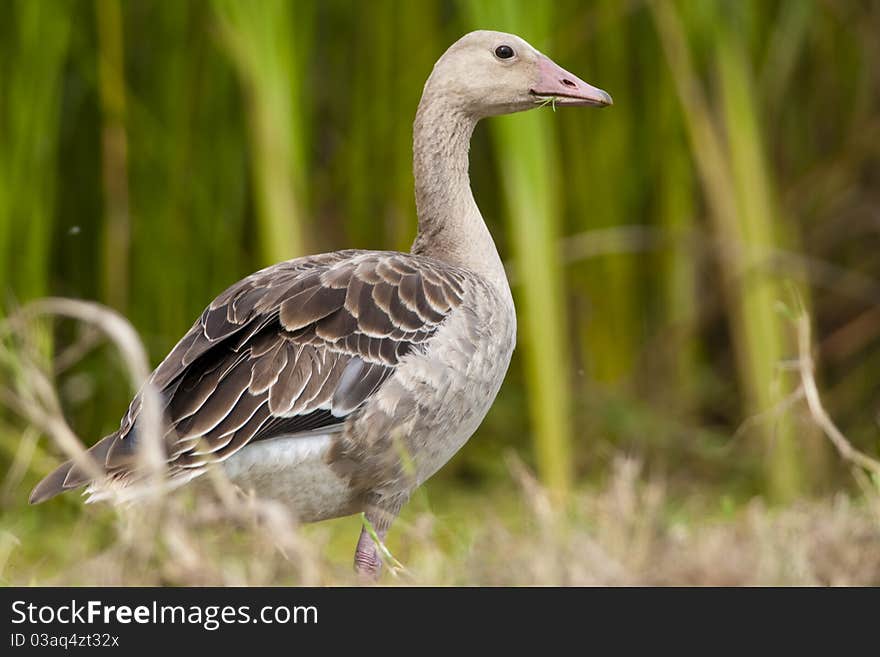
[451,227]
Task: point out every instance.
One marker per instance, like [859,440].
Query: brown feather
[267,366]
[281,349]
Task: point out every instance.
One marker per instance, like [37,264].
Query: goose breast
[434,401]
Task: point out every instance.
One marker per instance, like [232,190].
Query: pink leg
[367,561]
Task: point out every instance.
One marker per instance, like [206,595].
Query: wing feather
[292,349]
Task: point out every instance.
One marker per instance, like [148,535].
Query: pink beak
[553,80]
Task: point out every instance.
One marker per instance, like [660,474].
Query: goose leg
[367,560]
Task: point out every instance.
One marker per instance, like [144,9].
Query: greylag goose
[338,383]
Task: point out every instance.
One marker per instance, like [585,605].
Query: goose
[338,383]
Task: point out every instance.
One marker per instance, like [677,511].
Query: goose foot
[367,562]
[379,515]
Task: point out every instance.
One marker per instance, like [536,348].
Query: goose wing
[292,349]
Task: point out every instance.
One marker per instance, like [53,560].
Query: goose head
[488,73]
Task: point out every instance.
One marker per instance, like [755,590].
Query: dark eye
[504,52]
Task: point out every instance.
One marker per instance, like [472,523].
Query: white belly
[293,471]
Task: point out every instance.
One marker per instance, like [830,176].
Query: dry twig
[817,410]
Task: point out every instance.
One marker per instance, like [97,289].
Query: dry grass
[629,532]
[622,535]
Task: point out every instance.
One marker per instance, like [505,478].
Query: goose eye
[504,52]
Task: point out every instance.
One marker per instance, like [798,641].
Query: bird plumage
[292,349]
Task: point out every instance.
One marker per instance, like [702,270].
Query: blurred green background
[153,152]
